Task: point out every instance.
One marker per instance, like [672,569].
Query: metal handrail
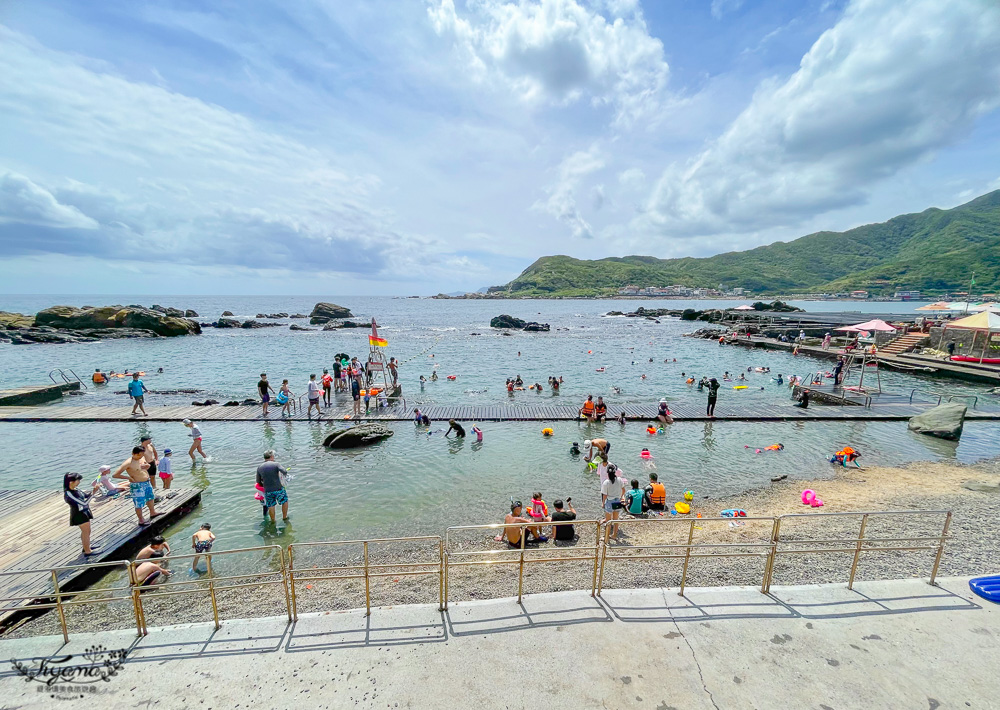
[312,574]
[206,583]
[594,551]
[975,398]
[66,380]
[59,594]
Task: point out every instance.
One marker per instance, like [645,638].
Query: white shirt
[314,389]
[613,490]
[109,485]
[165,465]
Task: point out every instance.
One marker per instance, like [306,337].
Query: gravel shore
[973,548]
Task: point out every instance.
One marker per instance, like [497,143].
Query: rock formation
[360,435]
[944,421]
[326,312]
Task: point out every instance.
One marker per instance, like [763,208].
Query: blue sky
[323,147]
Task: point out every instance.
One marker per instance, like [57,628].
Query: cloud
[721,8]
[885,88]
[24,202]
[559,51]
[160,172]
[562,196]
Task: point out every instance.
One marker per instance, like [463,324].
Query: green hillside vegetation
[934,251]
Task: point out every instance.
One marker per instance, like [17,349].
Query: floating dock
[732,406]
[35,395]
[35,534]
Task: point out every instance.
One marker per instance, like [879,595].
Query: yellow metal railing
[504,557]
[105,595]
[209,583]
[365,569]
[773,540]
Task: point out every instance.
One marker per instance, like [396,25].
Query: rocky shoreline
[89,324]
[971,492]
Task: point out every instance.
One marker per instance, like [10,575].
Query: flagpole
[972,282]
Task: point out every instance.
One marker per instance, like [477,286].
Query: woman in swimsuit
[79,510]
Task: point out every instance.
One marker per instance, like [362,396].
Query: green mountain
[934,251]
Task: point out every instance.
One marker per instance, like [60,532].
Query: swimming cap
[587,443]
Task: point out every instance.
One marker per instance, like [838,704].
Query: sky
[421,146]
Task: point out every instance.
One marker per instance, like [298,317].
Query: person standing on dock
[137,390]
[134,469]
[393,370]
[264,389]
[152,458]
[826,341]
[837,370]
[327,388]
[313,392]
[713,396]
[79,510]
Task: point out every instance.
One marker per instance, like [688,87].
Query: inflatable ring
[452,377]
[645,454]
[809,498]
[682,507]
[547,432]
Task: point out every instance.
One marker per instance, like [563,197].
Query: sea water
[418,483]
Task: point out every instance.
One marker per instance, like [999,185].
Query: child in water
[202,542]
[479,434]
[574,449]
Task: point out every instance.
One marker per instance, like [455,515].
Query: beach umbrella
[876,324]
[939,306]
[985,320]
[994,307]
[959,306]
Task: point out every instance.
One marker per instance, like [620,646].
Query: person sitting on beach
[513,534]
[563,533]
[636,501]
[600,410]
[587,410]
[454,426]
[155,550]
[663,413]
[656,492]
[149,573]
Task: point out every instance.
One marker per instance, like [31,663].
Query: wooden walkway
[35,395]
[730,408]
[35,535]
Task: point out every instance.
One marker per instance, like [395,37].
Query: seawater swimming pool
[414,483]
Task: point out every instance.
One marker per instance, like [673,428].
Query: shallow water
[414,483]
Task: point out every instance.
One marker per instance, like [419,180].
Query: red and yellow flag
[374,338]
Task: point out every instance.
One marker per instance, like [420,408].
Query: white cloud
[24,202]
[559,51]
[561,202]
[720,8]
[887,87]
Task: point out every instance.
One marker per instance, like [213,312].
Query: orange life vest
[588,407]
[658,495]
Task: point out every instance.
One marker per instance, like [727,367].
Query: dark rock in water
[72,318]
[145,319]
[295,326]
[298,315]
[13,321]
[227,323]
[261,316]
[131,305]
[232,403]
[249,402]
[326,312]
[614,313]
[690,314]
[536,327]
[247,324]
[360,435]
[505,333]
[944,421]
[190,314]
[278,315]
[206,403]
[475,333]
[156,307]
[343,324]
[227,313]
[506,321]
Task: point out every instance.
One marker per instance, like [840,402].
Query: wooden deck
[730,408]
[35,395]
[35,535]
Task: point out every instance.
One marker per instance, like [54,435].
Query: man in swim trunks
[269,476]
[157,549]
[134,470]
[313,390]
[137,391]
[151,457]
[393,370]
[149,573]
[337,384]
[513,535]
[264,389]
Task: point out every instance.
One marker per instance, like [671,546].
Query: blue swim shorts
[142,493]
[273,498]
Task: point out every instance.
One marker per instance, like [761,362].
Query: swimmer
[621,418]
[479,434]
[574,449]
[434,375]
[643,377]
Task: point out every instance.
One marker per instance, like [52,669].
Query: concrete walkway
[901,644]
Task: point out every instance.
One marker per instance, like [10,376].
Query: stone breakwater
[69,324]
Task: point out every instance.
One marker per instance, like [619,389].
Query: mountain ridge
[934,250]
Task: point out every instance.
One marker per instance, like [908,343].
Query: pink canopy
[868,325]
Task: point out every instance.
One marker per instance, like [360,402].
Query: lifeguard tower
[377,375]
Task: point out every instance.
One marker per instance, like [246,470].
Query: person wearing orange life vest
[657,493]
[327,381]
[588,408]
[99,378]
[845,456]
[600,410]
